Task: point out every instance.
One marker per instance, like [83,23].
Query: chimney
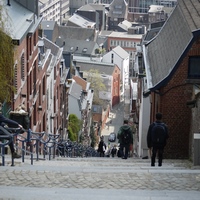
[8,3]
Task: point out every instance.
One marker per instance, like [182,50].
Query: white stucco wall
[144,122]
[74,107]
[50,104]
[122,63]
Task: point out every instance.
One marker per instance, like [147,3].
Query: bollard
[196,149]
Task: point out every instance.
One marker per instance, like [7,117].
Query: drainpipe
[8,3]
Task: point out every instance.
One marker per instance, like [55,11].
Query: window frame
[195,72]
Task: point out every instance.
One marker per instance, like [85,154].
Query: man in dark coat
[101,147]
[125,146]
[157,147]
[13,124]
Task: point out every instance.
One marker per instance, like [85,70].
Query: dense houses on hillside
[154,49]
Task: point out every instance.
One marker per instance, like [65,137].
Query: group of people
[125,139]
[156,140]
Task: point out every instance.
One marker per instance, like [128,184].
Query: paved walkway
[117,114]
[99,178]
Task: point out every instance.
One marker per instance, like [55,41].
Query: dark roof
[48,25]
[118,9]
[165,51]
[50,45]
[191,11]
[53,31]
[151,34]
[77,47]
[98,7]
[103,68]
[76,33]
[86,7]
[50,29]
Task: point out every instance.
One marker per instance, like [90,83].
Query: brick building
[22,27]
[172,78]
[33,61]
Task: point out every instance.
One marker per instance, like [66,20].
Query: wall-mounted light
[52,116]
[39,108]
[191,104]
[23,95]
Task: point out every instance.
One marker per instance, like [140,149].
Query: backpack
[158,133]
[126,138]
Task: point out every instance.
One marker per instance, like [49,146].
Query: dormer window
[84,50]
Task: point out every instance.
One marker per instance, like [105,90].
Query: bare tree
[94,77]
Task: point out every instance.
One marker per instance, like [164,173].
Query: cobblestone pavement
[116,174]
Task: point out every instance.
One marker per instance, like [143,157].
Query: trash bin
[196,149]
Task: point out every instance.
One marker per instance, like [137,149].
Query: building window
[40,96]
[194,67]
[112,58]
[30,46]
[51,91]
[31,83]
[34,115]
[15,77]
[22,67]
[111,42]
[55,73]
[43,86]
[35,39]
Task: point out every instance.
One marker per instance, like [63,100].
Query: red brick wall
[21,89]
[176,114]
[116,86]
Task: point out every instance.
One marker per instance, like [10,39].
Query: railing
[6,138]
[41,143]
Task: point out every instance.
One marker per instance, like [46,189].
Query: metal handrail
[9,138]
[50,141]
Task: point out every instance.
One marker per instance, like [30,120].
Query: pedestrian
[114,151]
[156,139]
[21,116]
[101,147]
[13,124]
[125,138]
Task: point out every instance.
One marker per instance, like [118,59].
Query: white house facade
[119,57]
[50,10]
[74,99]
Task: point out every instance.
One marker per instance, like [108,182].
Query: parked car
[112,137]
